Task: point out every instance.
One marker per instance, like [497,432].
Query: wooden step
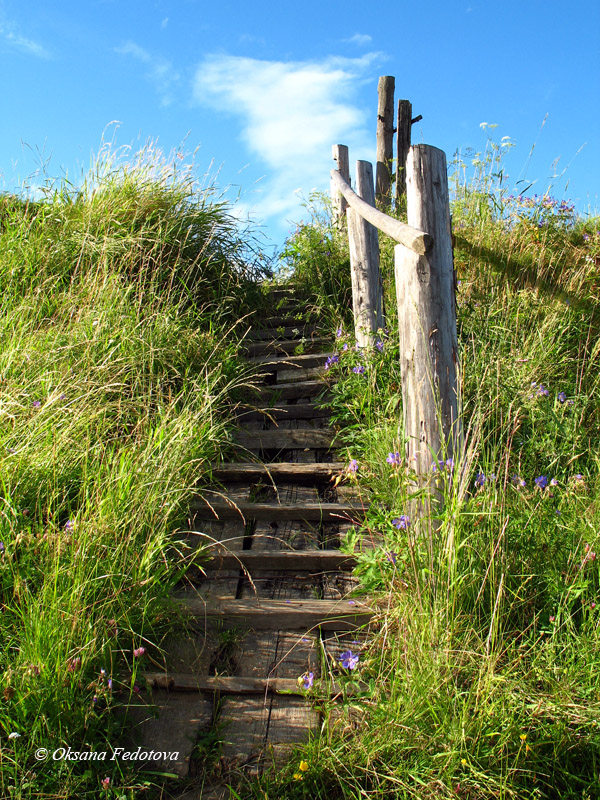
[297,411]
[286,346]
[281,333]
[301,560]
[306,361]
[295,374]
[264,614]
[225,684]
[278,439]
[293,389]
[284,471]
[305,511]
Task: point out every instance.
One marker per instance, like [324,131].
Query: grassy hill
[119,327]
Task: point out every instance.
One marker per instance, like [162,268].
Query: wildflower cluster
[541,210]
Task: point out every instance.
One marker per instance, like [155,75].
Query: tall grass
[119,319]
[482,678]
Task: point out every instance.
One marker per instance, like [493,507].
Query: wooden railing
[425,285]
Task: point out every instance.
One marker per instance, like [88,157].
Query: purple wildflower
[393,458]
[392,556]
[352,466]
[402,522]
[541,482]
[345,347]
[2,548]
[37,404]
[348,660]
[338,333]
[479,480]
[542,391]
[359,370]
[379,345]
[69,526]
[308,680]
[331,360]
[562,397]
[449,464]
[553,482]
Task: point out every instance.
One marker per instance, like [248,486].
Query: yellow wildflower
[303,766]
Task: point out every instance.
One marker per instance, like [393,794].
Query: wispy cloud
[362,39]
[291,113]
[161,72]
[22,43]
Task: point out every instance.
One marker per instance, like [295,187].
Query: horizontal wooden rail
[417,241]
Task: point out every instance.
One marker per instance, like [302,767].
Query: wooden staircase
[274,602]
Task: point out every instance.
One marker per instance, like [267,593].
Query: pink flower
[139,652]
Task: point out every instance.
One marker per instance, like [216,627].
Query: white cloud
[161,72]
[362,39]
[27,46]
[291,114]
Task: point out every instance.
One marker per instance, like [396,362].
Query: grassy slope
[118,371]
[484,678]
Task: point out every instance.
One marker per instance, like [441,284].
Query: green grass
[118,372]
[484,674]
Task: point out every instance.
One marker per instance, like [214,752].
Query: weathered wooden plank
[288,346]
[367,291]
[297,411]
[291,361]
[281,439]
[174,730]
[310,473]
[293,390]
[297,374]
[404,126]
[266,614]
[265,560]
[385,138]
[416,240]
[245,722]
[189,682]
[341,157]
[291,722]
[427,318]
[279,511]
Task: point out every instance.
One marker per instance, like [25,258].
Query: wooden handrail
[417,241]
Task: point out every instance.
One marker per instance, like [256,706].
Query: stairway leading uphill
[273,605]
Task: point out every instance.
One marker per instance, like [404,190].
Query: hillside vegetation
[119,323]
[122,305]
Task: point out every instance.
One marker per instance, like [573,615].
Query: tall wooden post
[341,158]
[427,318]
[367,292]
[404,125]
[385,139]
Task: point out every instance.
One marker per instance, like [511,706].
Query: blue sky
[260,91]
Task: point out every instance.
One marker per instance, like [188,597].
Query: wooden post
[427,318]
[404,125]
[341,158]
[367,292]
[385,139]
